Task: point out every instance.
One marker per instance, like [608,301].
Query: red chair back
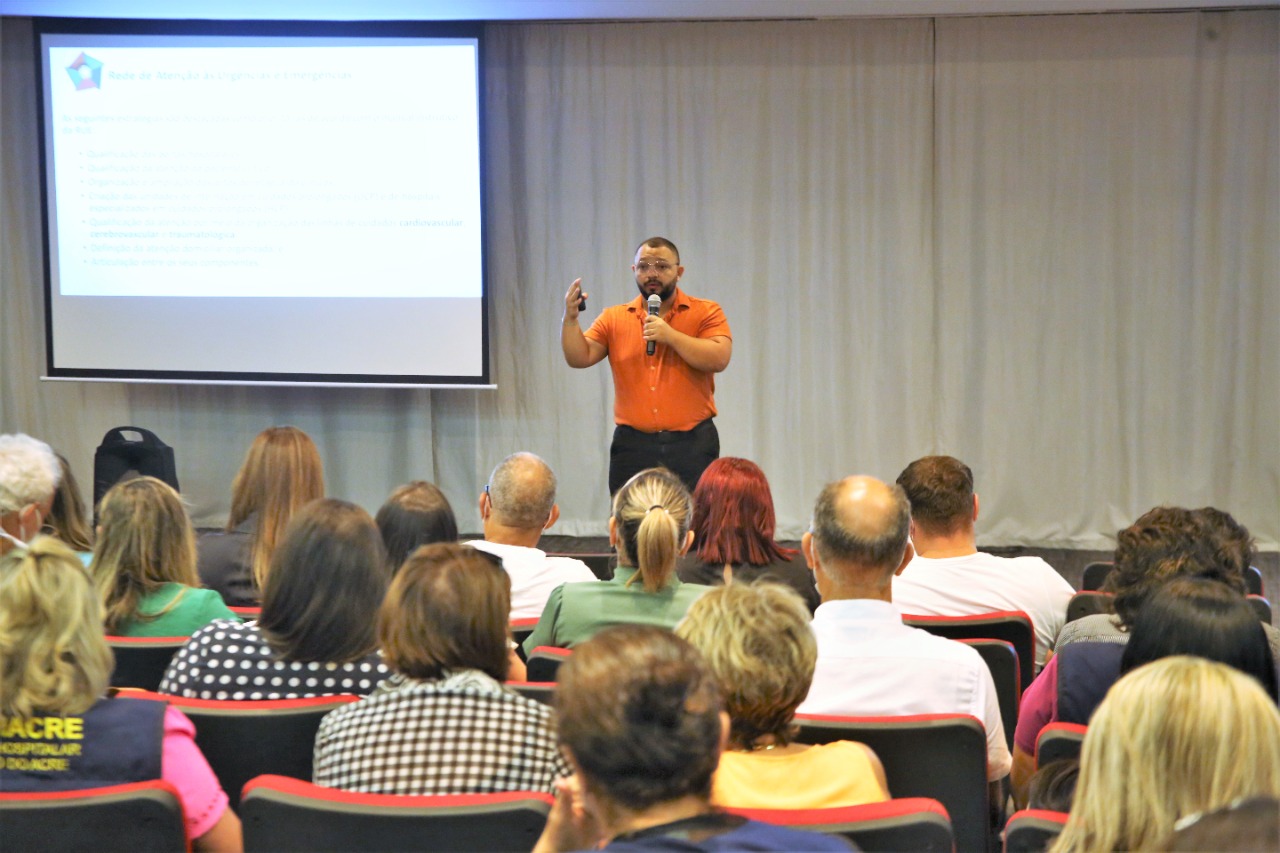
[1012,626]
[1059,740]
[544,662]
[1032,830]
[247,738]
[907,824]
[282,815]
[939,756]
[141,661]
[139,817]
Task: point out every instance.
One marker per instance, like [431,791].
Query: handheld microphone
[655,305]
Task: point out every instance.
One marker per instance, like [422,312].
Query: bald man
[519,503]
[869,663]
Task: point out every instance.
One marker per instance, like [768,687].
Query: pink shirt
[184,767]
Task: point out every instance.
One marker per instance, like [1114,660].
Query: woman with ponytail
[649,529]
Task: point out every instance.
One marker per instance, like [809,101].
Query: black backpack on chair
[127,452]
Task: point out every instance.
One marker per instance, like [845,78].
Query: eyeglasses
[661,267]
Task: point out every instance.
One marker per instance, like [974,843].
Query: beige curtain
[1047,245]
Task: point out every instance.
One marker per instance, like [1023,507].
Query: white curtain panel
[1046,245]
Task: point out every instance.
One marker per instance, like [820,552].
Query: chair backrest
[520,631]
[1032,830]
[1059,740]
[246,614]
[907,824]
[1088,603]
[1095,574]
[939,756]
[1262,607]
[1002,660]
[140,816]
[1253,581]
[141,661]
[247,738]
[281,815]
[1012,626]
[538,691]
[544,661]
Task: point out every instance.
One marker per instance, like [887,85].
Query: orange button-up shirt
[659,392]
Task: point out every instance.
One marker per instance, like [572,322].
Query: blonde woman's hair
[1177,736]
[652,512]
[147,541]
[281,472]
[53,657]
[757,640]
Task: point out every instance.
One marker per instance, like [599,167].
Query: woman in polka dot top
[315,636]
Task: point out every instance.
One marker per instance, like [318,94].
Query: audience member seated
[1053,786]
[281,472]
[29,476]
[60,728]
[869,662]
[443,723]
[1172,738]
[1163,544]
[315,635]
[145,565]
[519,503]
[641,724]
[649,529]
[757,642]
[67,520]
[1188,616]
[733,528]
[415,514]
[951,577]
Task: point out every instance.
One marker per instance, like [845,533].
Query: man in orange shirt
[663,403]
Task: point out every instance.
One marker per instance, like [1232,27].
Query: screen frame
[296,28]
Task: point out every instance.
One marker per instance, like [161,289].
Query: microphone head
[655,303]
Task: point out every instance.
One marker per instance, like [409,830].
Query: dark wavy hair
[1172,542]
[640,712]
[733,517]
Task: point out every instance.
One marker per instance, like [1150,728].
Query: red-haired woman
[733,528]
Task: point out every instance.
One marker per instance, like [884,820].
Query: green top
[197,608]
[575,611]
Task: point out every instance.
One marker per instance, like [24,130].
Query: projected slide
[294,176]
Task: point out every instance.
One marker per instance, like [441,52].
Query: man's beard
[664,291]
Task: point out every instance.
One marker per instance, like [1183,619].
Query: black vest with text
[118,740]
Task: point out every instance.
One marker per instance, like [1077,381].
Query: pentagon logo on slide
[86,72]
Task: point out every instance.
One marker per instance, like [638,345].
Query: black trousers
[687,454]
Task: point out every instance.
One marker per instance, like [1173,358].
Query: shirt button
[655,411]
[652,388]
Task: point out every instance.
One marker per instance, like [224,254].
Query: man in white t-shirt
[869,662]
[951,577]
[519,503]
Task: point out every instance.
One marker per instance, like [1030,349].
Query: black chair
[129,451]
[1088,603]
[520,631]
[601,564]
[1002,660]
[1012,626]
[1094,575]
[1059,740]
[141,661]
[909,824]
[140,817]
[544,662]
[242,739]
[938,756]
[281,815]
[1262,607]
[1032,830]
[538,691]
